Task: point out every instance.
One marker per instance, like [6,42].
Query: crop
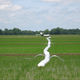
[18,68]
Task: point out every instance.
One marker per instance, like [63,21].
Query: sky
[39,14]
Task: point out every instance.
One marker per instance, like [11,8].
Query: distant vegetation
[53,31]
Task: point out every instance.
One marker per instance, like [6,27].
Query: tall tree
[46,31]
[16,31]
[1,32]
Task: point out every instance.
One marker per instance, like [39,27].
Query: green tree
[57,31]
[16,31]
[46,31]
[1,32]
[6,31]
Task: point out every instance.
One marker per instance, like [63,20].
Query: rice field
[15,49]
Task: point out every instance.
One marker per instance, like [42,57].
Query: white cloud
[3,20]
[52,0]
[4,4]
[4,1]
[63,1]
[7,5]
[15,7]
[2,7]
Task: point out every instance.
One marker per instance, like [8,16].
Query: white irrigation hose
[57,57]
[47,55]
[47,58]
[38,55]
[35,56]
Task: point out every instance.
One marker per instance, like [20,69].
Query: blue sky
[39,14]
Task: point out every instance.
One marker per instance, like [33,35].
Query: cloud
[4,1]
[7,5]
[62,1]
[2,7]
[29,13]
[15,7]
[4,4]
[52,0]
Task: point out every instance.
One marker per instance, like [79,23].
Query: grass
[21,44]
[65,44]
[18,68]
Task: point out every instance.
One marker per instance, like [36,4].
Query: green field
[19,68]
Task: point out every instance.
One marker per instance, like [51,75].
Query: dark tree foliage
[16,31]
[64,31]
[54,31]
[46,31]
[1,32]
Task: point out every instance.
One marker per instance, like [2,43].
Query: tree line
[54,31]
